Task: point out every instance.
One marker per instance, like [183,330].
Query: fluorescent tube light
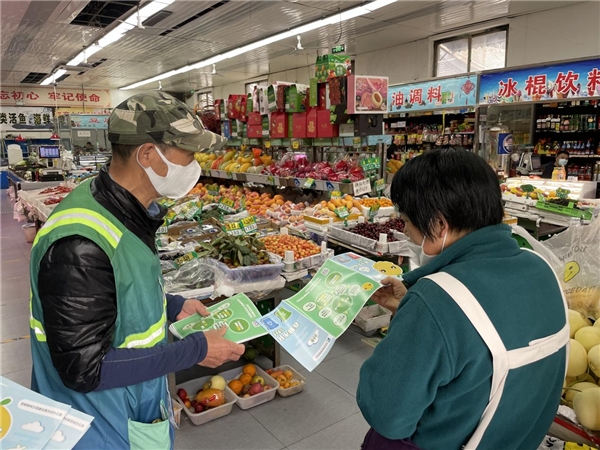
[53,77]
[118,32]
[331,20]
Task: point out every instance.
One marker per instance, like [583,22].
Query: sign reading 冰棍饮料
[579,79]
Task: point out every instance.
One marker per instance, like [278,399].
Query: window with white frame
[204,99]
[471,53]
[261,84]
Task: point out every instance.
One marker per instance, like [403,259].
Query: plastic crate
[192,387]
[255,400]
[293,390]
[372,318]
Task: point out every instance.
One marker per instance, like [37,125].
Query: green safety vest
[122,416]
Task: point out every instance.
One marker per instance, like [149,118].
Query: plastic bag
[195,274]
[255,281]
[578,266]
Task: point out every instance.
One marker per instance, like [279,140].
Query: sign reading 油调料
[579,79]
[443,93]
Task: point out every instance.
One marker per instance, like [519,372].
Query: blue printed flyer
[29,420]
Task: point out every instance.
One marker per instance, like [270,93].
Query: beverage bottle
[588,173]
[562,173]
[555,173]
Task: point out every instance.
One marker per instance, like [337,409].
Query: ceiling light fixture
[331,20]
[133,21]
[52,78]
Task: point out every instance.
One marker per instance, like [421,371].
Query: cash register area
[324,416]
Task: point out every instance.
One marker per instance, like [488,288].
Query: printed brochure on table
[29,420]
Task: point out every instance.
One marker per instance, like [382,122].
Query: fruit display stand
[212,413]
[257,399]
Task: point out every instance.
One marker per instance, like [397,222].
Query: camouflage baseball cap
[160,118]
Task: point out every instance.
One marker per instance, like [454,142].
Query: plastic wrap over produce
[255,281]
[192,275]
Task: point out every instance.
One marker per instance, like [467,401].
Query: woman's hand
[390,295]
[191,307]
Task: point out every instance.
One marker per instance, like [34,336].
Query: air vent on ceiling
[34,77]
[158,17]
[103,13]
[59,79]
[194,17]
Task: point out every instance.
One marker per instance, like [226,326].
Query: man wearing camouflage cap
[98,309]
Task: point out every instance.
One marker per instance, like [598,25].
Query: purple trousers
[375,441]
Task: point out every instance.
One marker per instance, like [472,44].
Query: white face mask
[563,162]
[418,255]
[178,181]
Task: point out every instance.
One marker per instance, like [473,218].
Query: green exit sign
[338,49]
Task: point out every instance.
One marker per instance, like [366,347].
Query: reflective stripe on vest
[151,336]
[502,360]
[86,217]
[34,324]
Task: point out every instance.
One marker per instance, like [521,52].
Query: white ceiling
[37,36]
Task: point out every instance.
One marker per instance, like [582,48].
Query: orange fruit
[249,369]
[245,379]
[236,386]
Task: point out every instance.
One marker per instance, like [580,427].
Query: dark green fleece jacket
[429,380]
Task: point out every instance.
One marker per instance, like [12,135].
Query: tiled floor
[323,417]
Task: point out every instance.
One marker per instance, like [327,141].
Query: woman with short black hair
[462,365]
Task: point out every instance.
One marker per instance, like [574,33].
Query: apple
[182,394]
[258,379]
[218,382]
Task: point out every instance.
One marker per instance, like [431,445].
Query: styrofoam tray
[293,390]
[384,211]
[255,400]
[192,387]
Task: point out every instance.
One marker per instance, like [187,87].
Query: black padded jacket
[83,311]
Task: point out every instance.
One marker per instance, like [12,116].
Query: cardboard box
[332,66]
[299,129]
[279,125]
[295,97]
[255,131]
[323,97]
[263,102]
[338,92]
[236,106]
[220,108]
[325,129]
[254,118]
[313,94]
[311,123]
[367,94]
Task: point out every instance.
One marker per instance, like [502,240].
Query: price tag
[380,185]
[213,192]
[233,228]
[162,230]
[562,193]
[336,195]
[309,183]
[362,187]
[185,258]
[249,225]
[267,144]
[271,179]
[229,176]
[295,145]
[342,212]
[357,141]
[227,205]
[373,210]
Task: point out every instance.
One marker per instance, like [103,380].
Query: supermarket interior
[283,224]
